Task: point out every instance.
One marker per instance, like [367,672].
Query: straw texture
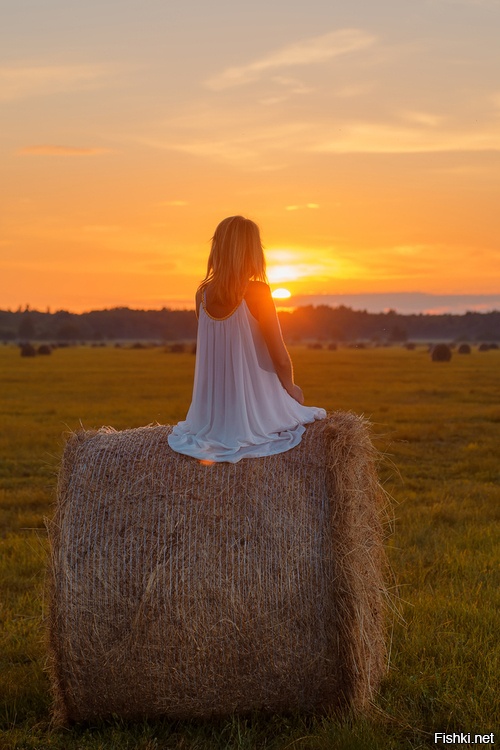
[188,590]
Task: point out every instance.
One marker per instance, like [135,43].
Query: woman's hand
[296,393]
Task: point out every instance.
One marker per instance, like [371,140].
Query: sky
[362,137]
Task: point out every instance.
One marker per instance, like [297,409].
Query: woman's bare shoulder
[259,300]
[258,289]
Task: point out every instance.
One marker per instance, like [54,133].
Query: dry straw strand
[187,590]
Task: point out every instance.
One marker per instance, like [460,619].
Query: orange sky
[364,141]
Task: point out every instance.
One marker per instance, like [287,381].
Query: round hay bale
[27,350]
[191,590]
[464,349]
[441,353]
[44,349]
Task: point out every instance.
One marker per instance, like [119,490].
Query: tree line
[319,323]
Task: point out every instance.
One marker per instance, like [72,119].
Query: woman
[245,403]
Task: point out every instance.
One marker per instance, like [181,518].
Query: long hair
[236,256]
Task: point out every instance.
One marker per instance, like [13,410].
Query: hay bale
[27,350]
[464,349]
[187,590]
[177,348]
[441,353]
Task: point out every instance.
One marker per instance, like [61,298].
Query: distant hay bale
[186,590]
[441,353]
[28,350]
[44,349]
[177,348]
[464,349]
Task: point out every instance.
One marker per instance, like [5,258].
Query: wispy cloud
[233,145]
[305,52]
[381,138]
[272,145]
[352,117]
[427,119]
[49,150]
[301,206]
[19,82]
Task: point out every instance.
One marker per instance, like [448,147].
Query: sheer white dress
[239,408]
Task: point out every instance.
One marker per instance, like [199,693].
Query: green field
[438,426]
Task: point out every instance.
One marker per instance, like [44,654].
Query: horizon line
[402,303]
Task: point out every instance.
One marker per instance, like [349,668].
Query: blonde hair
[236,256]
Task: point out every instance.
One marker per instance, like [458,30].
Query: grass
[438,425]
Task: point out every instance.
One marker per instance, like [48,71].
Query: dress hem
[279,444]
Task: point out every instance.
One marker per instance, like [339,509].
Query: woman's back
[239,407]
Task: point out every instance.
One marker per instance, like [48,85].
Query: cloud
[233,144]
[49,150]
[301,206]
[271,138]
[272,145]
[306,52]
[19,82]
[380,138]
[289,87]
[426,119]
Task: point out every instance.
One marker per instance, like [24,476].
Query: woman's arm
[197,303]
[262,303]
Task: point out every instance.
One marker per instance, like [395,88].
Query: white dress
[239,408]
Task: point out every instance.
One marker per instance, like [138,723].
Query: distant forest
[320,323]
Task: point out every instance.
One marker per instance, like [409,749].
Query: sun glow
[279,272]
[282,273]
[281,294]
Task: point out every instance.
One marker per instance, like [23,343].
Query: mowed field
[437,426]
